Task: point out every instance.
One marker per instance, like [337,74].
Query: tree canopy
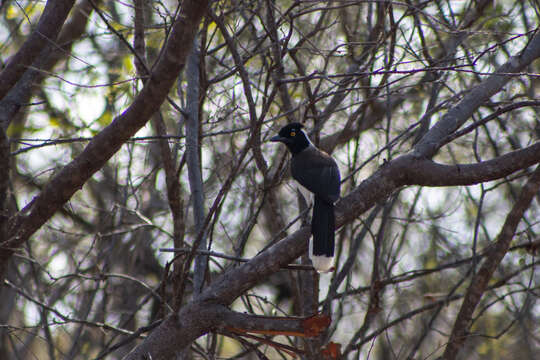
[145,214]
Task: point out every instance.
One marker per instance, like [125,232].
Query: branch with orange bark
[245,325]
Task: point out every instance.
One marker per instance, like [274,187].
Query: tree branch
[457,115]
[193,161]
[4,181]
[409,170]
[48,28]
[480,280]
[104,145]
[22,91]
[430,173]
[271,325]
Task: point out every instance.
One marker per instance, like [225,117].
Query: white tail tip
[322,264]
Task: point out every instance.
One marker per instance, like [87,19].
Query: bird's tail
[321,248]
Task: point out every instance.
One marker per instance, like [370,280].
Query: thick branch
[409,170]
[104,145]
[429,173]
[271,325]
[480,281]
[198,317]
[49,25]
[178,331]
[238,280]
[23,90]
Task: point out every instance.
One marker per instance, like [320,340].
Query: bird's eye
[293,134]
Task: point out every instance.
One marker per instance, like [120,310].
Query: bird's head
[293,136]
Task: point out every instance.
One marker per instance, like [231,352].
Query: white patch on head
[322,264]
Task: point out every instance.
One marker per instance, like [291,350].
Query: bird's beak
[278,138]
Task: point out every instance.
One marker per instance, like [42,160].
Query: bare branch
[408,170]
[456,117]
[48,28]
[73,176]
[480,280]
[193,160]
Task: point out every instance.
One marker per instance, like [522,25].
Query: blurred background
[366,78]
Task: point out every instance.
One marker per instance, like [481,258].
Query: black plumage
[318,172]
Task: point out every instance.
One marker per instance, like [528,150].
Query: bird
[319,173]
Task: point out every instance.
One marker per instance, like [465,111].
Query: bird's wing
[318,172]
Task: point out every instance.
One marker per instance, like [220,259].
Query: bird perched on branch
[318,172]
